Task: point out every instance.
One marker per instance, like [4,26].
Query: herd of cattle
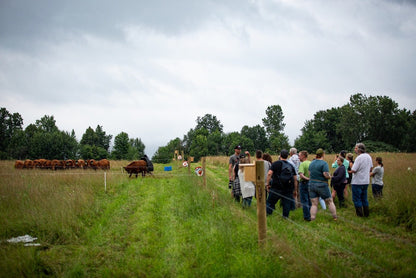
[143,166]
[56,164]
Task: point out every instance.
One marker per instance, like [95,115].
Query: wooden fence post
[261,203]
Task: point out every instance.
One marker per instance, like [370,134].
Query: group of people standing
[294,179]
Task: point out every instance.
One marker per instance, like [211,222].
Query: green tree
[162,155]
[258,136]
[279,142]
[199,147]
[89,137]
[235,138]
[92,152]
[95,144]
[136,149]
[274,126]
[209,122]
[326,123]
[121,146]
[165,154]
[9,125]
[53,145]
[102,140]
[311,139]
[18,146]
[410,139]
[47,124]
[215,143]
[274,120]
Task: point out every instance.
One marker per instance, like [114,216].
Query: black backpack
[286,175]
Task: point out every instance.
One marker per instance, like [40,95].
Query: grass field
[170,225]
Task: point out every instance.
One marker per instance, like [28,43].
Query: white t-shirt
[378,175]
[362,165]
[247,187]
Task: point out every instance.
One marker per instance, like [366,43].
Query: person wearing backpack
[284,185]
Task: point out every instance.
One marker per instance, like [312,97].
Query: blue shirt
[317,169]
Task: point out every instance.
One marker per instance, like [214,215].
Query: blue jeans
[304,199]
[247,202]
[359,195]
[275,195]
[377,190]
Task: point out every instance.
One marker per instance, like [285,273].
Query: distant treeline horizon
[376,121]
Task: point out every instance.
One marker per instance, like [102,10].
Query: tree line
[376,121]
[43,139]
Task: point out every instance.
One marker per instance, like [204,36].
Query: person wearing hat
[234,182]
[318,184]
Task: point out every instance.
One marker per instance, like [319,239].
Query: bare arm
[303,177]
[295,192]
[230,171]
[269,177]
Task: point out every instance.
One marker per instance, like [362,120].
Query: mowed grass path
[169,227]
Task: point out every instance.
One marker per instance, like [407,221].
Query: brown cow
[47,164]
[18,164]
[81,163]
[136,167]
[104,164]
[92,163]
[39,163]
[28,164]
[70,163]
[58,164]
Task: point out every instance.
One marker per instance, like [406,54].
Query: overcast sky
[150,68]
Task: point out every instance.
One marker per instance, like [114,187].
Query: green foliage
[52,145]
[215,143]
[93,152]
[235,138]
[199,147]
[121,146]
[96,138]
[274,120]
[311,140]
[165,154]
[210,123]
[279,142]
[46,124]
[372,147]
[136,149]
[10,127]
[258,136]
[373,118]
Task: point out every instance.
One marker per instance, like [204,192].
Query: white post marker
[105,181]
